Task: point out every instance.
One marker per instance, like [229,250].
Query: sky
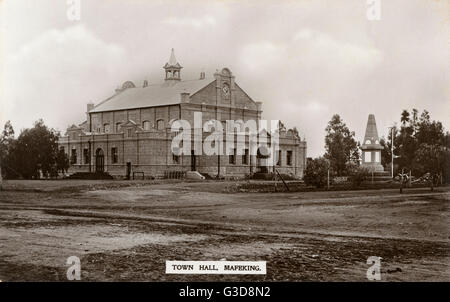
[305,60]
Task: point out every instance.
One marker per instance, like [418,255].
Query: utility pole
[392,152]
[1,179]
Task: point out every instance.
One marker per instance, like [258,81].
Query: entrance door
[128,170]
[99,161]
[193,160]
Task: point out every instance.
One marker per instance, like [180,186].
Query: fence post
[328,179]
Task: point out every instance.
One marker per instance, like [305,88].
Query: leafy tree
[62,161]
[340,145]
[430,158]
[386,152]
[316,172]
[36,150]
[421,145]
[405,117]
[7,142]
[405,145]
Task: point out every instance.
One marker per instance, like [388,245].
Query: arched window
[118,127]
[106,128]
[146,125]
[160,124]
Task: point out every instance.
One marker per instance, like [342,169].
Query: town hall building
[131,130]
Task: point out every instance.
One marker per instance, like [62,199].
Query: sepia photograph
[240,143]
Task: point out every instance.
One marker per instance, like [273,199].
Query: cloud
[305,60]
[323,46]
[47,77]
[316,106]
[262,55]
[196,22]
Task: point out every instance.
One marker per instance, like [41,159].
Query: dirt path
[127,232]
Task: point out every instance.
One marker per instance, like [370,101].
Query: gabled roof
[165,93]
[74,127]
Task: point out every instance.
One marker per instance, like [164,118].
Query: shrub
[316,172]
[358,175]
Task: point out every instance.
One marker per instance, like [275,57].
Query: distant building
[131,130]
[371,148]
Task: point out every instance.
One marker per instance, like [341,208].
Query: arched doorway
[99,160]
[262,162]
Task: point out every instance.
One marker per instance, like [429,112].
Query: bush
[358,175]
[316,172]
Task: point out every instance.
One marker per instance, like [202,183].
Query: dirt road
[127,230]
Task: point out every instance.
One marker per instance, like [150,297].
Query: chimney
[259,106]
[202,75]
[145,83]
[185,97]
[89,107]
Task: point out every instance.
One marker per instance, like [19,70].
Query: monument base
[375,167]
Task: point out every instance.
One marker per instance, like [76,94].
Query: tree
[7,142]
[421,145]
[386,152]
[340,145]
[62,161]
[316,172]
[36,150]
[405,117]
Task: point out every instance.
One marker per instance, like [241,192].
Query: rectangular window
[245,157]
[130,132]
[87,158]
[175,159]
[289,158]
[232,157]
[73,157]
[279,158]
[114,156]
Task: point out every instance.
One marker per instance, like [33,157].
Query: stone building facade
[131,130]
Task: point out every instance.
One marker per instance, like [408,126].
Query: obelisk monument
[371,148]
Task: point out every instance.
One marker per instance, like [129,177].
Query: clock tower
[226,87]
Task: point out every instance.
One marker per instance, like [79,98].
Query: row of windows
[146,125]
[232,158]
[288,158]
[114,156]
[176,158]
